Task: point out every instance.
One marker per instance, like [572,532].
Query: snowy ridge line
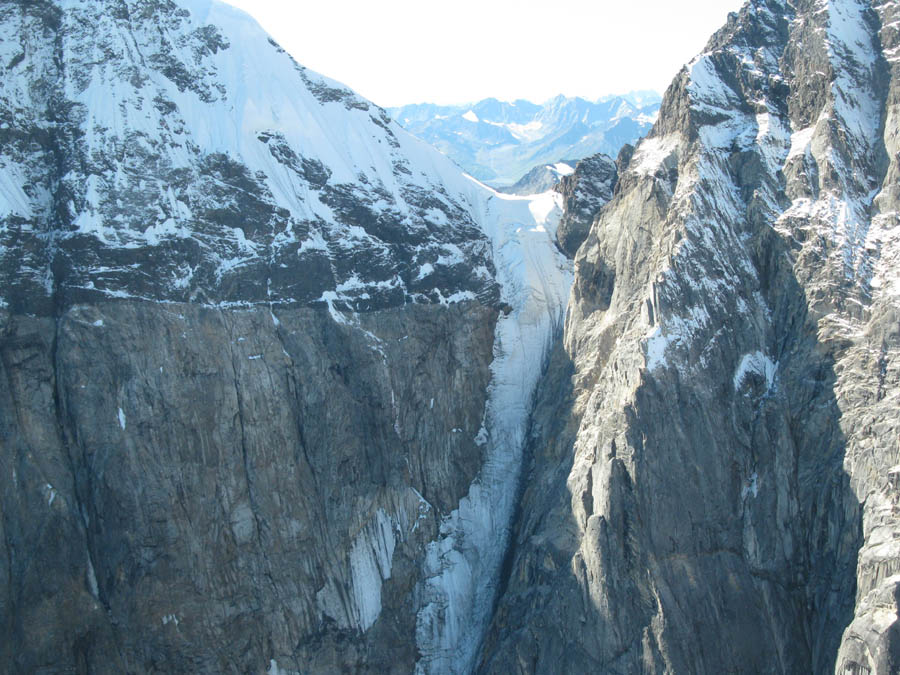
[164,164]
[327,301]
[843,213]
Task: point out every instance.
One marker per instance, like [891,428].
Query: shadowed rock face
[195,489]
[713,489]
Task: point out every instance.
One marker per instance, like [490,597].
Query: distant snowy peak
[639,98]
[186,156]
[499,142]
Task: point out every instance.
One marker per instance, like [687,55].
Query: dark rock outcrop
[584,193]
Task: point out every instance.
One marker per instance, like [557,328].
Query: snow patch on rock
[370,563]
[652,152]
[756,363]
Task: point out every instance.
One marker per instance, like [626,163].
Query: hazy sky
[412,51]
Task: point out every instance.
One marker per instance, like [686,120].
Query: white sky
[412,51]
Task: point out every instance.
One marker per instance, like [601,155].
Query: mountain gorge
[284,391]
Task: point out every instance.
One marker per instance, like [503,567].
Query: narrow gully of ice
[462,567]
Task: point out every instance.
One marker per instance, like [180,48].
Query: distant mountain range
[498,142]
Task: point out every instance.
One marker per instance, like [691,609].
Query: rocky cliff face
[713,480]
[259,348]
[197,489]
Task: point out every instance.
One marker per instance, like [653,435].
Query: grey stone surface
[584,193]
[717,492]
[235,402]
[199,490]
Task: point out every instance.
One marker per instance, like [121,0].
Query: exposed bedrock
[194,489]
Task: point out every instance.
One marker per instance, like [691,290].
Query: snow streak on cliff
[463,566]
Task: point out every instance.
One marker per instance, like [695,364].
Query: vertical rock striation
[584,193]
[199,489]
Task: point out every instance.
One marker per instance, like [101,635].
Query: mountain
[498,142]
[282,390]
[713,479]
[638,98]
[267,359]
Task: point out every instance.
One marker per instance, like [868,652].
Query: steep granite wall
[713,489]
[194,489]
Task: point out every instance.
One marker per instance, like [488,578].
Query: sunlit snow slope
[182,143]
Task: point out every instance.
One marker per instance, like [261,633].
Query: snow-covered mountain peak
[182,154]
